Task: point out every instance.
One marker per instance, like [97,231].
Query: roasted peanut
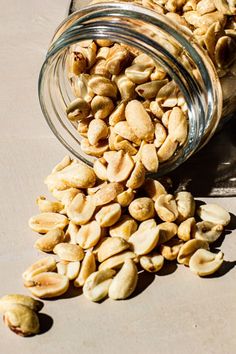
[160,135]
[214,213]
[78,109]
[93,150]
[170,249]
[110,247]
[69,252]
[45,222]
[104,42]
[124,282]
[149,90]
[76,63]
[76,175]
[102,86]
[158,73]
[205,263]
[97,130]
[139,120]
[99,68]
[71,233]
[66,161]
[69,269]
[100,169]
[25,300]
[47,264]
[101,107]
[208,231]
[107,194]
[126,87]
[21,319]
[152,262]
[187,229]
[108,215]
[123,129]
[197,20]
[116,261]
[167,149]
[142,209]
[97,284]
[165,118]
[147,224]
[189,248]
[154,188]
[120,167]
[144,241]
[47,242]
[88,267]
[117,59]
[89,234]
[178,126]
[156,109]
[126,197]
[65,196]
[166,207]
[124,145]
[117,115]
[46,206]
[124,228]
[149,157]
[93,190]
[185,205]
[81,209]
[137,176]
[167,230]
[138,73]
[81,88]
[47,285]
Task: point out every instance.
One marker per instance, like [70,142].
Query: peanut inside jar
[126,105]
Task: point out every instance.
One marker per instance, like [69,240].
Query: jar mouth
[124,23]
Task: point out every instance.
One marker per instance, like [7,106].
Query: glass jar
[172,47]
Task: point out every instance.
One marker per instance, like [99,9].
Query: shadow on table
[72,292]
[46,322]
[226,267]
[168,268]
[144,280]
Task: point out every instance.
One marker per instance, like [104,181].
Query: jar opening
[173,49]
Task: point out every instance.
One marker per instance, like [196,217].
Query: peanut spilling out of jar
[104,233]
[107,231]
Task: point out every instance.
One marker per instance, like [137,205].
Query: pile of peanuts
[103,234]
[101,231]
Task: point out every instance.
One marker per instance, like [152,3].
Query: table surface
[172,312]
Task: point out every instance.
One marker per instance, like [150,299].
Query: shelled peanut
[20,313]
[122,96]
[105,233]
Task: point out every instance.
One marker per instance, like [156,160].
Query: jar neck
[173,48]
